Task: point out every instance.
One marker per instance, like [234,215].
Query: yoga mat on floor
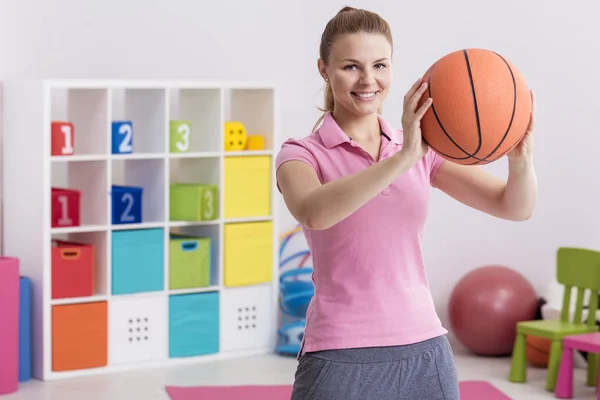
[469,390]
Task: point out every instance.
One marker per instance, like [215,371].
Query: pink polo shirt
[371,287]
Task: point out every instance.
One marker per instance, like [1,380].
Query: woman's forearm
[520,195]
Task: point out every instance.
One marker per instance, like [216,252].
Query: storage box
[247,320]
[137,261]
[189,262]
[193,324]
[65,207]
[138,329]
[79,336]
[126,204]
[179,136]
[62,138]
[194,202]
[122,137]
[72,269]
[247,187]
[248,253]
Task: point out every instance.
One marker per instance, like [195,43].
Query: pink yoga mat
[469,390]
[9,323]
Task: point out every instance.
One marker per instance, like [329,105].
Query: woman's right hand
[414,146]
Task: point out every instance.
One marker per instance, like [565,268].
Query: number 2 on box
[125,146]
[184,143]
[68,147]
[126,216]
[64,214]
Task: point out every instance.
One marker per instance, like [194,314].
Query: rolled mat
[9,321]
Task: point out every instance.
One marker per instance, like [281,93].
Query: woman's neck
[359,129]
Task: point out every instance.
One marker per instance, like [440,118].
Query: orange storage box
[79,336]
[72,269]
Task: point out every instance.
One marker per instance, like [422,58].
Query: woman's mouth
[366,96]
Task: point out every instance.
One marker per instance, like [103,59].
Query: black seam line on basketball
[469,156]
[512,117]
[475,107]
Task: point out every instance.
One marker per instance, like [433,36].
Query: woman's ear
[322,69]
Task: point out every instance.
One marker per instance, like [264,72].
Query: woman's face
[359,72]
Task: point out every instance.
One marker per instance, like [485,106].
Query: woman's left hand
[525,147]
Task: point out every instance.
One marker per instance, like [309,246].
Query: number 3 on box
[209,203]
[184,143]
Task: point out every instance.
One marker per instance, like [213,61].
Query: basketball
[481,107]
[538,351]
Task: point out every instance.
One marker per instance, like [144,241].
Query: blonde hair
[347,21]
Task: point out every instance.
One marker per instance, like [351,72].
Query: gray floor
[149,384]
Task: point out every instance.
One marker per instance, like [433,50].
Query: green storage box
[189,262]
[194,202]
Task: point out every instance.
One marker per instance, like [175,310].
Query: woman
[360,189]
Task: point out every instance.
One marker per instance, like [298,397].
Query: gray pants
[420,371]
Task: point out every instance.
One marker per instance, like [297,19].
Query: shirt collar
[332,135]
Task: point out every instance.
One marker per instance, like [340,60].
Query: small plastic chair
[576,268]
[589,342]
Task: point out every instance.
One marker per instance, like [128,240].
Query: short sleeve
[294,149]
[434,161]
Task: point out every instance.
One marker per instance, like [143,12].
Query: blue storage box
[25,329]
[126,204]
[122,137]
[137,261]
[193,324]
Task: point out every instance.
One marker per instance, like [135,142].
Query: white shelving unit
[131,328]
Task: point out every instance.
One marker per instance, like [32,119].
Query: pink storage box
[9,321]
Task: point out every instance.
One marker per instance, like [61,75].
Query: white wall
[555,44]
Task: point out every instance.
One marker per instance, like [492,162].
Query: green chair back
[580,269]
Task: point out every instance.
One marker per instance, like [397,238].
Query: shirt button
[385,192]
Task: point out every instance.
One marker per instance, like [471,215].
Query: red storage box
[65,207]
[72,269]
[63,138]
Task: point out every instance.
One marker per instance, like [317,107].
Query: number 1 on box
[64,215]
[68,147]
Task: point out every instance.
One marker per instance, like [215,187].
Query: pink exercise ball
[485,307]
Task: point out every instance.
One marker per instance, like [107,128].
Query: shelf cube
[236,136]
[193,202]
[62,138]
[189,262]
[126,204]
[79,336]
[246,319]
[137,261]
[247,186]
[122,137]
[65,207]
[72,269]
[138,329]
[248,258]
[193,324]
[256,142]
[179,136]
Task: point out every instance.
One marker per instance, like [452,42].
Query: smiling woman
[360,190]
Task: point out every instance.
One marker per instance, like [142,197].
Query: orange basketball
[481,106]
[538,351]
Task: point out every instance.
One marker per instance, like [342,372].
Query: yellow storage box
[247,187]
[248,253]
